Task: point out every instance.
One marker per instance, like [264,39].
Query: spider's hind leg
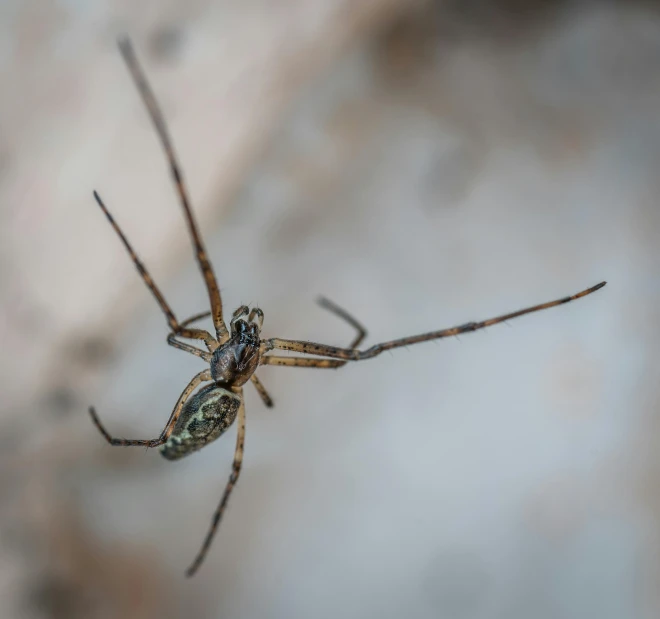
[267,400]
[233,478]
[202,377]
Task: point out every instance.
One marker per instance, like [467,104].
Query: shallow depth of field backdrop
[420,163]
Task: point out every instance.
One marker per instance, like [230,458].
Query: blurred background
[422,163]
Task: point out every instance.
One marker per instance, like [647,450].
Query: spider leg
[301,362]
[268,401]
[309,362]
[203,376]
[195,318]
[233,478]
[161,129]
[197,334]
[211,346]
[344,315]
[172,341]
[354,354]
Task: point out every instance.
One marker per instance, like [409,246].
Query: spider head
[246,330]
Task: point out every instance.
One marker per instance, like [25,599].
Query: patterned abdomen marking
[203,419]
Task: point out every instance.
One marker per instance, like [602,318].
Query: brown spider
[234,355]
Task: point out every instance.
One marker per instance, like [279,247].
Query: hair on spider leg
[213,399]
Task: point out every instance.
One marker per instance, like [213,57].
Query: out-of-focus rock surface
[422,165]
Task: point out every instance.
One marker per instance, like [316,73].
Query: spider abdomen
[205,417]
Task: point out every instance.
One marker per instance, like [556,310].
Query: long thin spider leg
[203,376]
[308,362]
[210,345]
[195,318]
[312,348]
[161,129]
[172,341]
[268,401]
[344,315]
[233,478]
[198,334]
[301,362]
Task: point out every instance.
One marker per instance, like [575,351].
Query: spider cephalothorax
[235,361]
[233,357]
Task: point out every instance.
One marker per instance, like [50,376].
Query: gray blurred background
[422,163]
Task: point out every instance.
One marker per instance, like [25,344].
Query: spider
[234,354]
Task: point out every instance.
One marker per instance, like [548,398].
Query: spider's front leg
[354,354]
[309,362]
[202,377]
[158,121]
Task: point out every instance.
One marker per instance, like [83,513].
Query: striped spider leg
[333,354]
